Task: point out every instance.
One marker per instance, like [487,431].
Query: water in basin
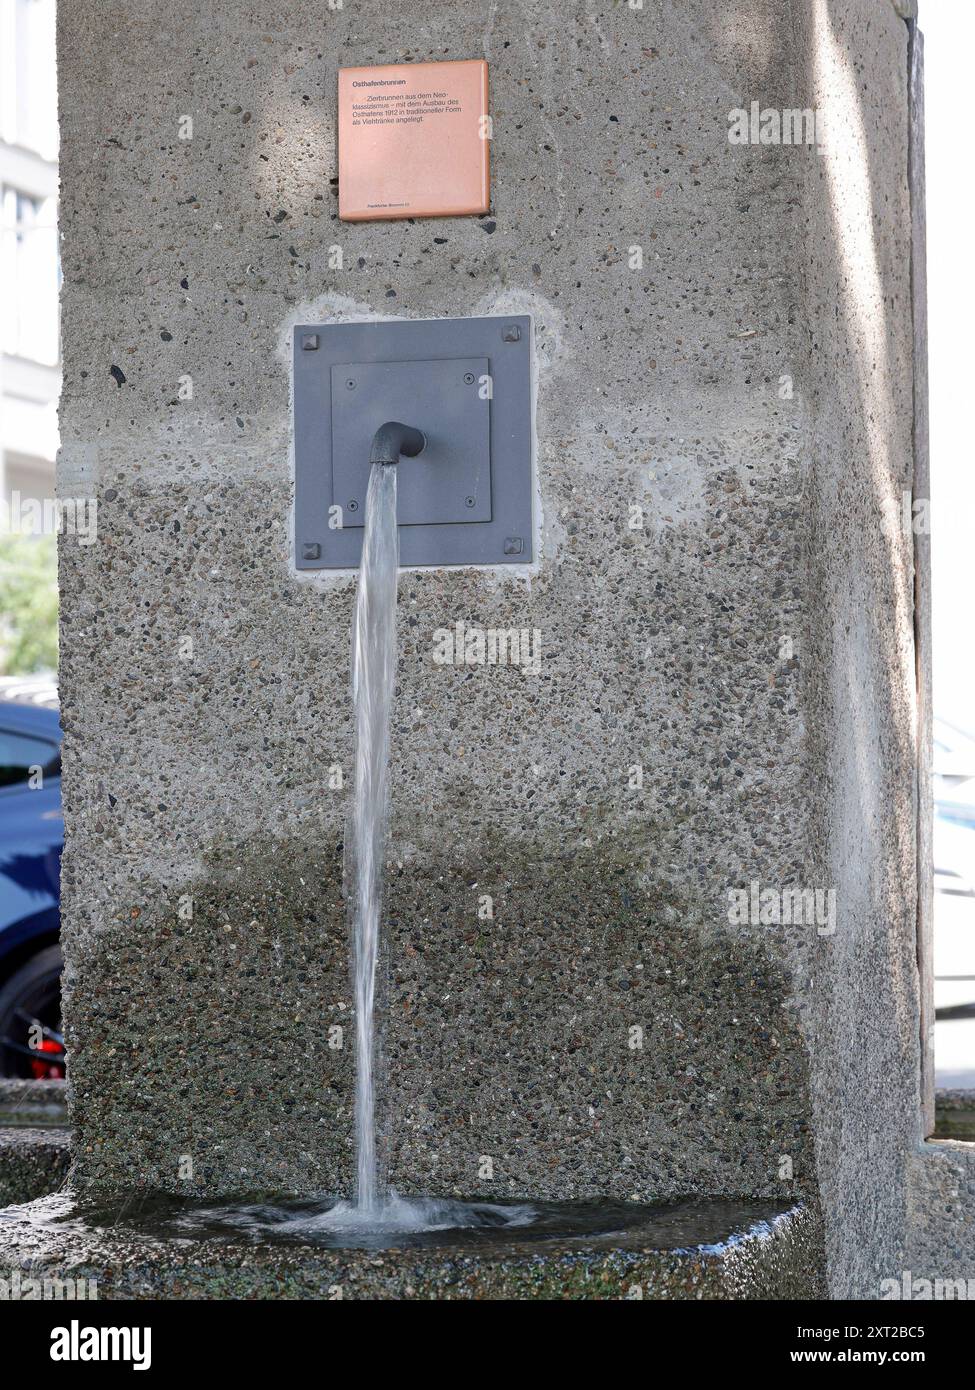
[421,1222]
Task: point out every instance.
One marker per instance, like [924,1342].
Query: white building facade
[30,374]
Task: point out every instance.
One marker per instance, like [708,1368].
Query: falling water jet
[373,673]
[373,679]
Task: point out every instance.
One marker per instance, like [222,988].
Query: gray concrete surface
[751,647]
[32,1103]
[941,1230]
[33,1163]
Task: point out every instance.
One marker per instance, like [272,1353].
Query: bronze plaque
[413,140]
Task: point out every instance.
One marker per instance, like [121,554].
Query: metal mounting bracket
[466,383]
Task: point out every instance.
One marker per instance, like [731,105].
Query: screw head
[469,378]
[350,384]
[309,342]
[311,550]
[511,333]
[353,505]
[470,501]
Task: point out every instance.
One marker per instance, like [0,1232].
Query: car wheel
[31,1044]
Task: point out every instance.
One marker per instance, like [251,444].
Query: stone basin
[145,1247]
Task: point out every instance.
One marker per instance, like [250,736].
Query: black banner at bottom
[138,1338]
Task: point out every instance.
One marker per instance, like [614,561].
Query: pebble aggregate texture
[941,1214]
[33,1163]
[205,687]
[31,1103]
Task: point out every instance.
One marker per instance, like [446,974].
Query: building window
[28,90]
[29,275]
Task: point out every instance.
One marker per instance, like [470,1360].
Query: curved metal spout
[393,439]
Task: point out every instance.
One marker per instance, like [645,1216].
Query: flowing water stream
[373,679]
[373,683]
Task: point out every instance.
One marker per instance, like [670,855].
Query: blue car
[31,837]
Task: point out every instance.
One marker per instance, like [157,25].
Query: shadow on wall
[587,1039]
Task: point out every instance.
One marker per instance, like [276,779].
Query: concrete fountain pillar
[590,986]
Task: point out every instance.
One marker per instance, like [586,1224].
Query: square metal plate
[451,481]
[467,499]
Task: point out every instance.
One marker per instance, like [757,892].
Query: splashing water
[373,673]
